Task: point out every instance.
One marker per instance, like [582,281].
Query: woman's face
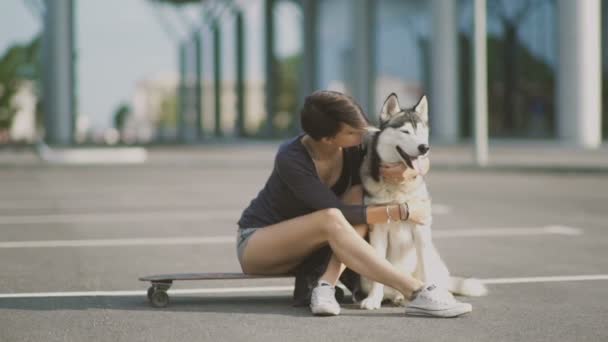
[348,136]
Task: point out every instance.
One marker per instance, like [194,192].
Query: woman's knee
[331,216]
[332,220]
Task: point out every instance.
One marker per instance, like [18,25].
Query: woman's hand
[397,173]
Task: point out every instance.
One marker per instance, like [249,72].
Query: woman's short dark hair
[324,110]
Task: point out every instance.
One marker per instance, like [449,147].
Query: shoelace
[324,294]
[440,296]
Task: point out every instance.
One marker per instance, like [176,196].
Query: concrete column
[444,107]
[310,53]
[364,32]
[190,101]
[198,85]
[270,64]
[480,83]
[58,77]
[182,98]
[579,72]
[240,73]
[217,78]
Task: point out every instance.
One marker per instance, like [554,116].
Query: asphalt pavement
[75,238]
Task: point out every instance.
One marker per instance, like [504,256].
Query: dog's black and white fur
[404,137]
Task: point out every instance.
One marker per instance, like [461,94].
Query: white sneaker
[436,302]
[323,300]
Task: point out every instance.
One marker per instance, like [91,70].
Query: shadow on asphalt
[229,304]
[259,305]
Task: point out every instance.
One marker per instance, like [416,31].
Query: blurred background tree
[18,64]
[287,85]
[521,85]
[536,84]
[524,81]
[167,122]
[120,116]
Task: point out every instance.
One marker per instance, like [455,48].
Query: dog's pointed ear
[390,108]
[422,108]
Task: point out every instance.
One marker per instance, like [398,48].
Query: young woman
[313,198]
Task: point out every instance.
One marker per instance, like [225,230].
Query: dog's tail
[470,287]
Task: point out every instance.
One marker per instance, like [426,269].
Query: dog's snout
[423,148]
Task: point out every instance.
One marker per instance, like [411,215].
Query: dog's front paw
[372,302]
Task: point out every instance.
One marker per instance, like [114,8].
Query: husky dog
[404,137]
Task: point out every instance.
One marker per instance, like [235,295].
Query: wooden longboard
[157,293]
[208,276]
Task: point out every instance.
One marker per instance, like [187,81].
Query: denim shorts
[242,237]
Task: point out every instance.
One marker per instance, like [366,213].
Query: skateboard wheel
[159,298]
[150,292]
[339,294]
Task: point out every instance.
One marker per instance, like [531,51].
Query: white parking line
[85,156]
[141,292]
[257,289]
[198,240]
[479,232]
[497,281]
[204,215]
[107,217]
[188,240]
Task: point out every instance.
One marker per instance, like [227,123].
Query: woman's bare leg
[335,267]
[279,248]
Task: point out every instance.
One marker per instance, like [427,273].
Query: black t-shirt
[294,188]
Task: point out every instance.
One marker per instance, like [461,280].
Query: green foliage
[534,85]
[535,79]
[287,81]
[288,90]
[530,66]
[120,116]
[168,110]
[20,62]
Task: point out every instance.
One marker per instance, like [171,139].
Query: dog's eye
[406,131]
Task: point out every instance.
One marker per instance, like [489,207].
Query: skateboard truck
[157,293]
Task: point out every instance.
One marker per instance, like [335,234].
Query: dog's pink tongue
[417,166]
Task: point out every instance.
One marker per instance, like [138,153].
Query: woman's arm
[379,214]
[416,211]
[304,183]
